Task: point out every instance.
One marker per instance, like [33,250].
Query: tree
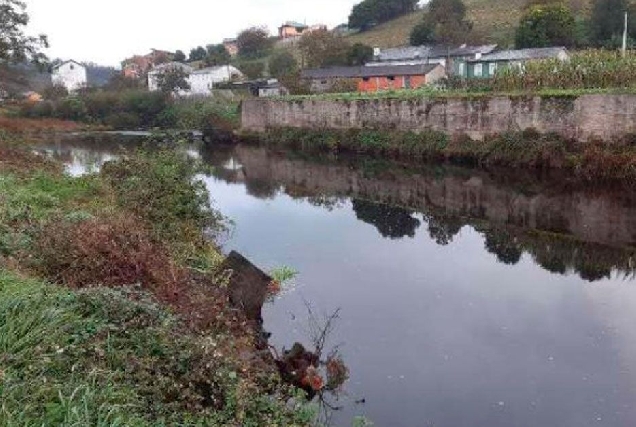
[423,33]
[119,82]
[15,46]
[392,222]
[179,56]
[253,43]
[198,54]
[217,54]
[55,92]
[253,70]
[372,12]
[546,25]
[360,54]
[282,64]
[172,80]
[607,21]
[323,49]
[445,22]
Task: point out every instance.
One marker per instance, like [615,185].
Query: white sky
[107,31]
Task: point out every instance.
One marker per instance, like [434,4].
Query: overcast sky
[107,31]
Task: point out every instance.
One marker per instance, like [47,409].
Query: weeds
[594,161]
[98,357]
[168,351]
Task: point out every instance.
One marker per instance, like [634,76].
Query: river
[466,298]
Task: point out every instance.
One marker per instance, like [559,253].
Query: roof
[523,54]
[423,52]
[216,68]
[172,65]
[294,24]
[67,62]
[367,71]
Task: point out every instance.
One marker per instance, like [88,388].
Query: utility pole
[625,37]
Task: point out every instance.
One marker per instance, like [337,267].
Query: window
[391,78]
[462,69]
[72,67]
[492,68]
[323,82]
[365,79]
[479,70]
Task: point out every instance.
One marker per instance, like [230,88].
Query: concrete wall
[602,116]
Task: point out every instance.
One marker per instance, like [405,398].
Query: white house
[70,74]
[201,81]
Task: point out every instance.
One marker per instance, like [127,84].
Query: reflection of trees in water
[443,229]
[391,222]
[503,245]
[556,253]
[261,188]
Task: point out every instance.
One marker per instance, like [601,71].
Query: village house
[486,66]
[137,66]
[201,81]
[292,29]
[452,58]
[375,78]
[271,88]
[70,74]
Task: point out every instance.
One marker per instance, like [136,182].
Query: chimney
[376,52]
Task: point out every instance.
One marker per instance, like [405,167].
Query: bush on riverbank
[590,161]
[135,109]
[148,336]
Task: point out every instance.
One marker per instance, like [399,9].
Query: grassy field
[494,22]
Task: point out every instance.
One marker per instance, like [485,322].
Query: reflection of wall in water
[601,228]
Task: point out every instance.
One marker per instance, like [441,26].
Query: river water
[466,298]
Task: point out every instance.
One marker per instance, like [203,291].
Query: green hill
[494,22]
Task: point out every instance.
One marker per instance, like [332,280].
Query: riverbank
[114,306]
[592,162]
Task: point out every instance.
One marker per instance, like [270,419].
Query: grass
[431,93]
[112,307]
[588,162]
[99,358]
[493,23]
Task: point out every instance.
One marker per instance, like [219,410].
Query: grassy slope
[495,22]
[113,357]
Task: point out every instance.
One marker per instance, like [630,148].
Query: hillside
[493,21]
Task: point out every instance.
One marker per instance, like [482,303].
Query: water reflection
[568,231]
[464,296]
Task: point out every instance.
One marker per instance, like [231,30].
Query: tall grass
[591,69]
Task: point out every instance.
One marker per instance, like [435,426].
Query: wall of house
[602,116]
[70,75]
[287,32]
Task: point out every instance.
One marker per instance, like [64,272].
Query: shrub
[117,251]
[71,108]
[122,121]
[160,188]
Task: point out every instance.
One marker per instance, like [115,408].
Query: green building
[486,66]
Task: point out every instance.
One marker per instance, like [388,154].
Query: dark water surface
[466,299]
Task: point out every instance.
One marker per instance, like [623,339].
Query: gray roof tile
[522,54]
[368,71]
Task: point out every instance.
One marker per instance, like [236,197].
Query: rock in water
[248,287]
